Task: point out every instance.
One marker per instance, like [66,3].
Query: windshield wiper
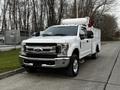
[54,35]
[47,35]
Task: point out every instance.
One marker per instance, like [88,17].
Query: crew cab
[61,46]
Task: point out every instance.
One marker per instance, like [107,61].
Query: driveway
[100,74]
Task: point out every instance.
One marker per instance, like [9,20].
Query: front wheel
[73,68]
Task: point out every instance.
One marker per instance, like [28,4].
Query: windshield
[61,31]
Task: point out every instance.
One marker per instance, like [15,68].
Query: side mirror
[90,34]
[36,34]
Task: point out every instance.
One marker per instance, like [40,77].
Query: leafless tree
[4,11]
[36,15]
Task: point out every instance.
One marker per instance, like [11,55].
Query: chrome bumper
[58,62]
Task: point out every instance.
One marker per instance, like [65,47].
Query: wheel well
[97,48]
[76,51]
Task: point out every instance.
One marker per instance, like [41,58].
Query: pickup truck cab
[60,46]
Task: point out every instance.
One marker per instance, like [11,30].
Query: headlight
[62,49]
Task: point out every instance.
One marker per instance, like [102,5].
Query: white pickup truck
[61,46]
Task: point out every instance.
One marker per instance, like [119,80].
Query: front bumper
[44,62]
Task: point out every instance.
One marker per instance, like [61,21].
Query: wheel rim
[75,66]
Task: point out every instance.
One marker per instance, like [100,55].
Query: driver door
[85,44]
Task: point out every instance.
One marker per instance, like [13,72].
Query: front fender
[72,48]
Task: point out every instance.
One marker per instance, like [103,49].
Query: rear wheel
[73,68]
[95,55]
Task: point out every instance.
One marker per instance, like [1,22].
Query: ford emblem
[38,49]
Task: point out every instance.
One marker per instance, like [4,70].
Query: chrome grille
[40,51]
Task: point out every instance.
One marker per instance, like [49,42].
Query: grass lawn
[9,60]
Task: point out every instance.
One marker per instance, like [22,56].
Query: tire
[94,56]
[30,69]
[73,67]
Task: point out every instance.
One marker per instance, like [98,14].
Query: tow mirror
[90,34]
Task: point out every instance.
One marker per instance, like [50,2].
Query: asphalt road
[100,74]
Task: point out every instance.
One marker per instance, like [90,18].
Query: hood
[51,39]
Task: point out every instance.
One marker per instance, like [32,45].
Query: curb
[11,73]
